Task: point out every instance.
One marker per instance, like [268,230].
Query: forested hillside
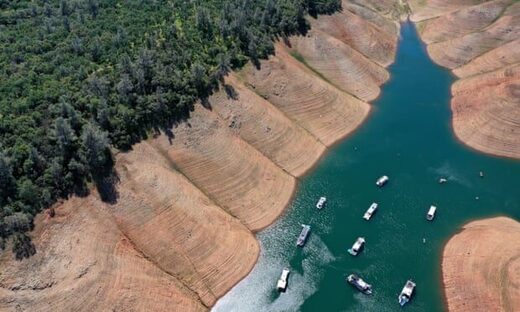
[79,78]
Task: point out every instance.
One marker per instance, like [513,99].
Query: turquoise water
[409,138]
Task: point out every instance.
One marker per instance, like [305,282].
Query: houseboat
[360,284]
[431,213]
[407,293]
[382,181]
[370,211]
[321,202]
[282,281]
[306,229]
[357,247]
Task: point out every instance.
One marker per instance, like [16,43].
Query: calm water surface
[409,138]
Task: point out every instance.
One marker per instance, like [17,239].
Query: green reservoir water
[408,137]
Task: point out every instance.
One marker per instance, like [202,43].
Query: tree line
[80,78]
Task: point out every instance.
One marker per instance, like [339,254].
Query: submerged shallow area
[409,138]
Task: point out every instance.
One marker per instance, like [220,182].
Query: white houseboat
[306,229]
[321,202]
[360,284]
[431,213]
[407,293]
[382,181]
[357,246]
[282,281]
[370,211]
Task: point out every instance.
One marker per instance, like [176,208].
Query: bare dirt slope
[85,263]
[248,185]
[486,112]
[481,267]
[180,231]
[363,36]
[178,227]
[263,126]
[430,9]
[479,41]
[325,111]
[343,66]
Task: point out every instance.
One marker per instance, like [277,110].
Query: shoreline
[492,224]
[140,196]
[313,167]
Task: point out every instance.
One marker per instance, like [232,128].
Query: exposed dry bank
[479,41]
[481,266]
[180,233]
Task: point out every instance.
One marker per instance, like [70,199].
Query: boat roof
[362,283]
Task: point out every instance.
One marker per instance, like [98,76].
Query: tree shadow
[106,186]
[205,103]
[230,92]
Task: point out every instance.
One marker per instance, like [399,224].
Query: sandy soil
[500,57]
[430,9]
[263,126]
[180,233]
[320,108]
[486,113]
[343,66]
[362,35]
[458,51]
[479,41]
[178,227]
[85,263]
[481,267]
[239,178]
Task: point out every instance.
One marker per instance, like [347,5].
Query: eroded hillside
[481,267]
[479,42]
[180,232]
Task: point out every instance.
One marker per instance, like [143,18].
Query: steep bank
[478,41]
[481,266]
[180,232]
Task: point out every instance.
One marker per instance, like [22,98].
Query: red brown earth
[479,42]
[481,266]
[181,231]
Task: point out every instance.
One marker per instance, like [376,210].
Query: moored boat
[283,280]
[357,246]
[382,181]
[306,229]
[431,213]
[370,211]
[321,202]
[407,292]
[443,180]
[360,284]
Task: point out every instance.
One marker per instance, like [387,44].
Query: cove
[408,137]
